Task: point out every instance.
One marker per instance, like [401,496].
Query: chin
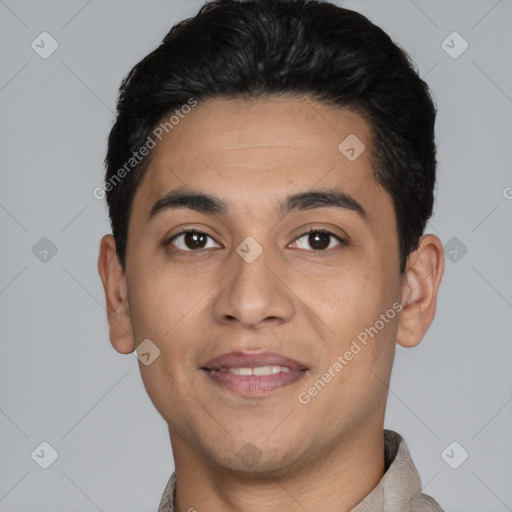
[258,459]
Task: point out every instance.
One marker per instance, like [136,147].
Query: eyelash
[342,241]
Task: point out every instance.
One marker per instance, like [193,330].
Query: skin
[269,452]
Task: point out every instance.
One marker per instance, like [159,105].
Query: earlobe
[425,268]
[116,296]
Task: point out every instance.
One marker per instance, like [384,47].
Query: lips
[253,373]
[248,360]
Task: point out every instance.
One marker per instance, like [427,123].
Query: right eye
[191,240]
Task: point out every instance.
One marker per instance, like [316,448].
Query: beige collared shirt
[398,491]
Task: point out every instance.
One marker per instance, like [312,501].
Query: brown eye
[318,240]
[191,240]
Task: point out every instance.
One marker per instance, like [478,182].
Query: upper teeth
[260,370]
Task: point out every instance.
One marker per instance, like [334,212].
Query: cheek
[361,318]
[158,302]
[346,301]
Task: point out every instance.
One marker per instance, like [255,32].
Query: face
[260,314]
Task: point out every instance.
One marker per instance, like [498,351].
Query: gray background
[60,379]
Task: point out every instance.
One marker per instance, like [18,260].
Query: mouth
[259,373]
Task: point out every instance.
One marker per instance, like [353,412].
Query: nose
[254,293]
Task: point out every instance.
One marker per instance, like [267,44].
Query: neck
[334,481]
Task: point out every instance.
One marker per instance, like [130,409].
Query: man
[269,178]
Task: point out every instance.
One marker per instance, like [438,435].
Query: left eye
[318,239]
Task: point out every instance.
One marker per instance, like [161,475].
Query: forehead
[274,130]
[254,152]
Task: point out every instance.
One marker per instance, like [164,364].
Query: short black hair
[251,49]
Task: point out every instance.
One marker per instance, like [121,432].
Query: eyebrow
[206,203]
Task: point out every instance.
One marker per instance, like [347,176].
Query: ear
[421,281]
[116,296]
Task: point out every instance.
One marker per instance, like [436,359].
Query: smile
[253,374]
